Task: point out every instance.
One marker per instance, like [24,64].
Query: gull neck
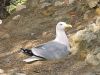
[61,37]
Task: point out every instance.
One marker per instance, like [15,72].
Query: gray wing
[51,50]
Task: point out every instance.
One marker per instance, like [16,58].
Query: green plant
[14,4]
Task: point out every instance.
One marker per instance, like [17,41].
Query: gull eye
[61,24]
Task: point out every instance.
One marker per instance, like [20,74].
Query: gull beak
[68,25]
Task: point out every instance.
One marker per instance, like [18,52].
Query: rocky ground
[36,23]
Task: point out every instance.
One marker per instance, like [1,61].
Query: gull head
[62,25]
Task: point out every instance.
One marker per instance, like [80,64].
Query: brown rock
[1,71]
[91,59]
[98,56]
[98,11]
[48,11]
[92,3]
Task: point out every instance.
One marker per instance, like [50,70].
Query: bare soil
[30,30]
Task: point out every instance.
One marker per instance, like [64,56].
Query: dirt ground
[29,30]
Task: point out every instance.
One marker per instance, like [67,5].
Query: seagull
[56,49]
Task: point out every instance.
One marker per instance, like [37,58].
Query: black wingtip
[26,51]
[22,49]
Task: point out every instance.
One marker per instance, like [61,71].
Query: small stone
[59,3]
[43,5]
[32,34]
[16,17]
[0,21]
[58,18]
[96,28]
[20,7]
[32,3]
[12,71]
[92,3]
[45,34]
[5,36]
[48,11]
[98,21]
[97,50]
[86,15]
[20,74]
[98,56]
[42,1]
[1,71]
[98,11]
[78,36]
[91,59]
[28,44]
[70,1]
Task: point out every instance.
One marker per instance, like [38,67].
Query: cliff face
[87,41]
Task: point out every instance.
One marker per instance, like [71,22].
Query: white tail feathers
[31,59]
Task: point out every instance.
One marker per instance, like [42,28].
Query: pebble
[42,1]
[91,59]
[98,20]
[5,36]
[20,7]
[1,71]
[43,5]
[20,74]
[86,15]
[0,21]
[96,50]
[16,17]
[68,2]
[32,3]
[92,3]
[44,33]
[32,34]
[59,3]
[98,56]
[98,11]
[71,1]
